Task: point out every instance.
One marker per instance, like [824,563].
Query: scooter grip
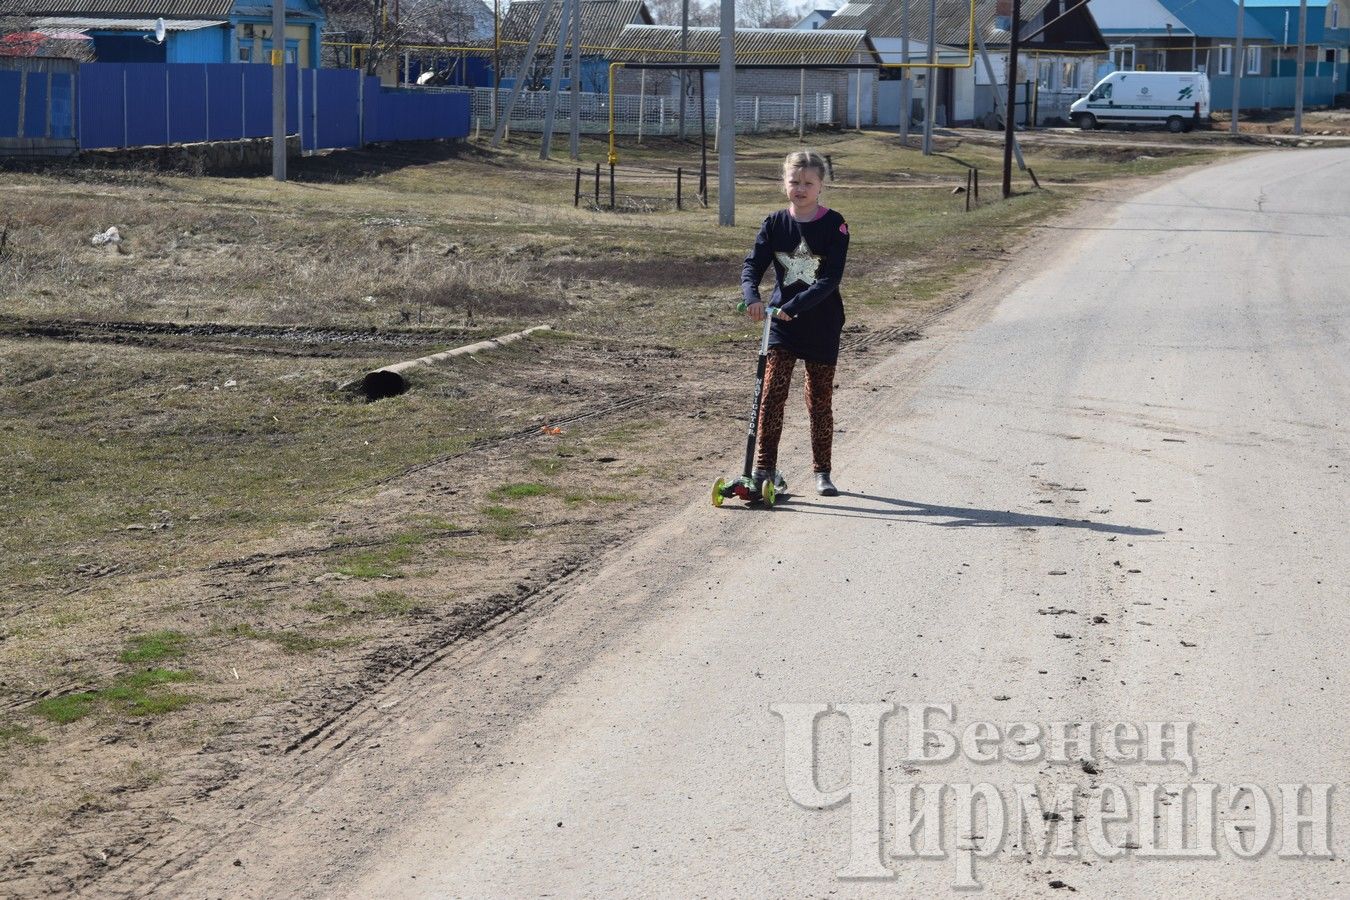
[769,311]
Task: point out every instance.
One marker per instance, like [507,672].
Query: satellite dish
[159,33]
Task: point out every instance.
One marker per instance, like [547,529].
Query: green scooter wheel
[768,492]
[717,495]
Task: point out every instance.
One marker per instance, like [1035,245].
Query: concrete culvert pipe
[390,381]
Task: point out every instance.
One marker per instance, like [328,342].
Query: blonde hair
[804,159]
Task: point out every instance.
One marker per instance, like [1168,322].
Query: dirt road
[1109,489]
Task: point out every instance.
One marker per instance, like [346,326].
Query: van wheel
[1087,121]
[1176,124]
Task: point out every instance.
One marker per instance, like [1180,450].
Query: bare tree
[374,29]
[453,22]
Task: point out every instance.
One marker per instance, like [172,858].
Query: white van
[1180,100]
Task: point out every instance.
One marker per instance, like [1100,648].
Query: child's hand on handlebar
[756,313]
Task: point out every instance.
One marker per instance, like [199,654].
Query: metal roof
[85,23]
[166,9]
[1215,18]
[657,43]
[1207,19]
[1283,18]
[881,19]
[601,20]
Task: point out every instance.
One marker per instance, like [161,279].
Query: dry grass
[141,469]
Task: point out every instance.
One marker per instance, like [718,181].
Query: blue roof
[1285,4]
[1273,17]
[1216,19]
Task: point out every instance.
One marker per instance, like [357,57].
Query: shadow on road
[947,516]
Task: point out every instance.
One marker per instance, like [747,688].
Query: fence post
[300,103]
[47,132]
[167,131]
[23,101]
[642,102]
[314,107]
[969,174]
[755,127]
[576,199]
[243,113]
[206,79]
[126,135]
[663,114]
[361,107]
[717,126]
[611,185]
[679,187]
[977,185]
[597,185]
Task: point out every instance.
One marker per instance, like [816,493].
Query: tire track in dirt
[217,337]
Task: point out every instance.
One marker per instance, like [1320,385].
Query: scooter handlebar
[769,311]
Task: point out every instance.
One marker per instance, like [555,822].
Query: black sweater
[808,264]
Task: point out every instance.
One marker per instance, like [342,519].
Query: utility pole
[496,58]
[279,89]
[545,7]
[684,58]
[929,81]
[726,108]
[999,99]
[1298,77]
[1239,63]
[1013,47]
[575,141]
[559,49]
[906,85]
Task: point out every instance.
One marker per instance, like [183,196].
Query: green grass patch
[390,603]
[135,694]
[520,491]
[502,523]
[293,642]
[386,561]
[153,647]
[66,709]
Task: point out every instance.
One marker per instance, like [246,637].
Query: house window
[1335,16]
[1225,59]
[245,54]
[1122,57]
[1331,56]
[1253,61]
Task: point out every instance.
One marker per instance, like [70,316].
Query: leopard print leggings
[819,404]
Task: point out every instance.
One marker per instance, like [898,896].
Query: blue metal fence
[152,104]
[1273,93]
[37,112]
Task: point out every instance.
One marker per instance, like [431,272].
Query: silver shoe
[779,482]
[824,486]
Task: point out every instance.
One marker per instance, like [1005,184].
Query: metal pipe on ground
[391,381]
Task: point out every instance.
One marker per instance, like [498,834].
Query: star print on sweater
[807,259]
[801,266]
